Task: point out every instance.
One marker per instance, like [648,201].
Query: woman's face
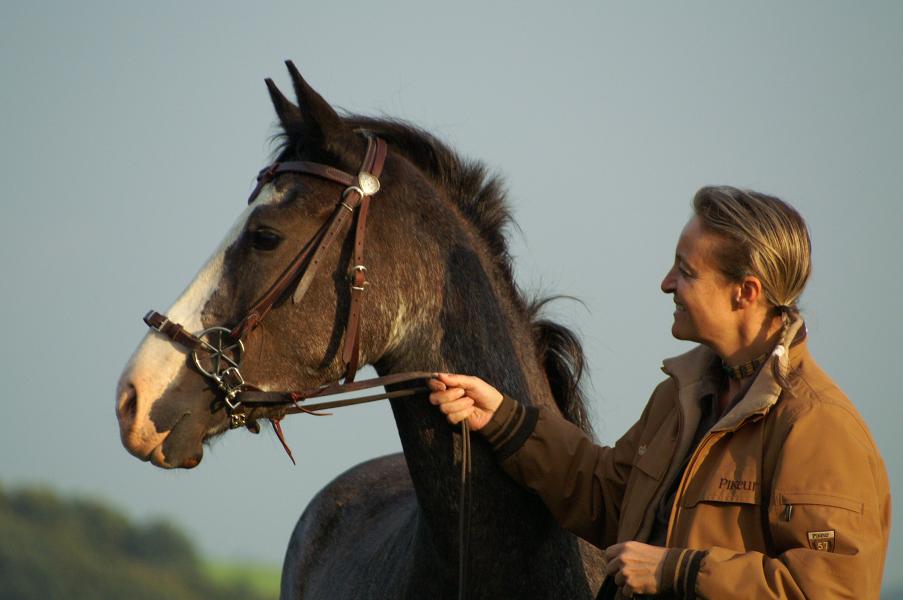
[704,298]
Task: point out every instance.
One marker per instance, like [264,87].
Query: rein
[217,351]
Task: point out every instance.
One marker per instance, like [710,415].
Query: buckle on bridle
[231,383]
[232,378]
[349,189]
[159,327]
[268,173]
[354,270]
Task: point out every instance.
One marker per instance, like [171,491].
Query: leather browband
[267,174]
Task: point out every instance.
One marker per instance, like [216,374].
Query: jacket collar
[692,373]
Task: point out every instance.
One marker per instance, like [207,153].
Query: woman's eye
[265,239]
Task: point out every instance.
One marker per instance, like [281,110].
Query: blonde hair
[764,237]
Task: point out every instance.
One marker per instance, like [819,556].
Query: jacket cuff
[679,572]
[510,427]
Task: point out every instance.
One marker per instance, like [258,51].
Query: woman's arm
[580,482]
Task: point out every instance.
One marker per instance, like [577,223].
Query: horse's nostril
[127,405]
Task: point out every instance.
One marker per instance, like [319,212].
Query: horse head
[167,408]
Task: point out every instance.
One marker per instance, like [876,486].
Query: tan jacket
[785,497]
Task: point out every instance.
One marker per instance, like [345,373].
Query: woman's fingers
[462,381]
[435,385]
[486,396]
[452,401]
[463,397]
[456,417]
[449,395]
[456,406]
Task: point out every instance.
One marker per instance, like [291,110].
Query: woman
[749,473]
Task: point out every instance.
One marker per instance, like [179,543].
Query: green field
[263,579]
[58,547]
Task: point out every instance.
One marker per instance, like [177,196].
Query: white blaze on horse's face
[158,363]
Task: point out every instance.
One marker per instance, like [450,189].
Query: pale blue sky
[130,136]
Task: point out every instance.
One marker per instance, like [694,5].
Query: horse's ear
[320,118]
[289,115]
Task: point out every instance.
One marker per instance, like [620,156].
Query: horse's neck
[475,334]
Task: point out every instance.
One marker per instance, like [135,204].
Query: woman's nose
[668,282]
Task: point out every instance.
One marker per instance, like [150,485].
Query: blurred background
[130,136]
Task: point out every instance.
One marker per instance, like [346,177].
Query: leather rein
[217,351]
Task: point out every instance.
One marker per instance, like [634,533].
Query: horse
[441,295]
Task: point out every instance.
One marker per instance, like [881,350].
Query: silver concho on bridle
[219,360]
[368,182]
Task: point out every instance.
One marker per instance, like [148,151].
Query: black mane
[479,196]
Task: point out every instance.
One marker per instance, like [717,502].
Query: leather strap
[351,349]
[272,399]
[260,308]
[464,502]
[173,331]
[351,199]
[358,276]
[267,174]
[308,260]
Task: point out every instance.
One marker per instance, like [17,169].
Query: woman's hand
[637,567]
[462,397]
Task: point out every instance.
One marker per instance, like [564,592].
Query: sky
[131,134]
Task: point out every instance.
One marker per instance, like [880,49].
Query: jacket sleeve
[829,518]
[580,482]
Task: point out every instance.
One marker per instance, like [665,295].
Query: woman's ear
[749,292]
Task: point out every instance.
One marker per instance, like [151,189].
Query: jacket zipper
[675,508]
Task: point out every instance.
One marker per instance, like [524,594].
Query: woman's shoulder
[811,387]
[814,397]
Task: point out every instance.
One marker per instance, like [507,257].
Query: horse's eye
[265,239]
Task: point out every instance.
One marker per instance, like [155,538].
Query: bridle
[216,352]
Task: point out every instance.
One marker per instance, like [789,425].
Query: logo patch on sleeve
[823,541]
